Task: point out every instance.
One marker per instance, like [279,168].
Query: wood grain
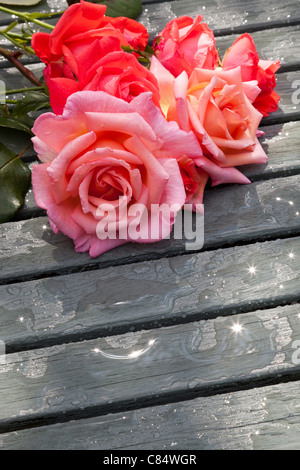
[149,294]
[236,12]
[223,17]
[195,358]
[266,418]
[30,249]
[272,43]
[276,139]
[289,107]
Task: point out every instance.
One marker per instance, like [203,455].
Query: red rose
[77,54]
[185,44]
[243,53]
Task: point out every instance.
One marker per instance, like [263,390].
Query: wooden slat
[233,214]
[289,105]
[266,418]
[104,374]
[14,79]
[149,294]
[289,109]
[223,17]
[276,139]
[217,14]
[44,7]
[272,44]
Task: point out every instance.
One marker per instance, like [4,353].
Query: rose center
[105,186]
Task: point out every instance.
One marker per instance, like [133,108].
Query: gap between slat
[105,332]
[21,423]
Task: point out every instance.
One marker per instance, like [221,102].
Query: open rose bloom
[214,105]
[84,52]
[243,53]
[103,158]
[185,44]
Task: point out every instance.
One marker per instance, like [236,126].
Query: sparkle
[291,255]
[135,353]
[281,286]
[237,328]
[252,269]
[44,227]
[291,203]
[21,319]
[278,199]
[96,350]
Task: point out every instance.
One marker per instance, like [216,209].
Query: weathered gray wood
[272,44]
[222,16]
[275,142]
[177,361]
[149,294]
[14,79]
[275,43]
[281,143]
[287,87]
[289,107]
[232,214]
[218,14]
[44,7]
[265,418]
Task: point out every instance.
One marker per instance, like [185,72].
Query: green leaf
[22,3]
[24,125]
[128,8]
[14,183]
[33,101]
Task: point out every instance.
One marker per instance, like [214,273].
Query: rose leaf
[24,125]
[15,179]
[128,8]
[33,101]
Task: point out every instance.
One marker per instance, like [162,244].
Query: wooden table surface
[157,347]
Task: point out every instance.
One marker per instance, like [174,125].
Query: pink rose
[185,44]
[104,153]
[214,105]
[243,53]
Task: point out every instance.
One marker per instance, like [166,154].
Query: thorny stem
[13,59]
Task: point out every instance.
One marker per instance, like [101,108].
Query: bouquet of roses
[136,131]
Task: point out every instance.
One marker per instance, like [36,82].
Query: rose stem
[26,17]
[13,59]
[23,90]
